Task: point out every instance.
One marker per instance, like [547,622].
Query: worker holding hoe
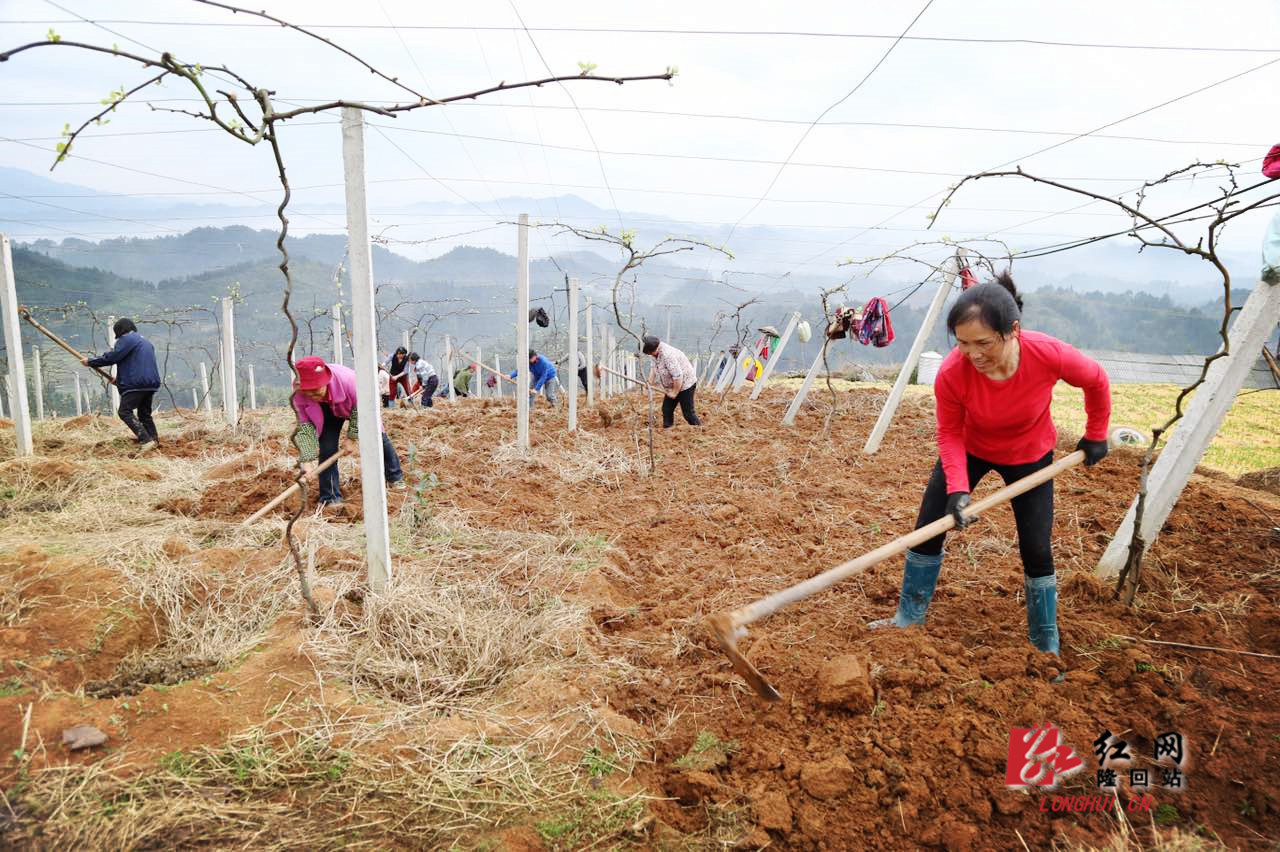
[324,398]
[137,379]
[542,377]
[673,372]
[993,393]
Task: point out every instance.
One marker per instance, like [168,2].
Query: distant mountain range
[47,207]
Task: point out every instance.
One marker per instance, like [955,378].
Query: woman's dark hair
[649,344]
[400,350]
[996,303]
[533,353]
[413,356]
[123,326]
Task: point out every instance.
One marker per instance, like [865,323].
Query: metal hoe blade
[727,634]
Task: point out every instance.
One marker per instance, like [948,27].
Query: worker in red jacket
[993,393]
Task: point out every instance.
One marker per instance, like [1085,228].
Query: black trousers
[1032,511]
[140,424]
[685,398]
[582,377]
[429,391]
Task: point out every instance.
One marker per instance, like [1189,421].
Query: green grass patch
[10,687]
[1167,815]
[1248,439]
[707,752]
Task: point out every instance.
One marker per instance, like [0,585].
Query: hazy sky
[706,149]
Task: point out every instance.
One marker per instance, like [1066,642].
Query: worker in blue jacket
[542,377]
[137,379]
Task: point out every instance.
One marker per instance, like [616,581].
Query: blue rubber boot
[919,577]
[1042,612]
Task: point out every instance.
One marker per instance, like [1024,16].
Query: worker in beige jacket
[673,372]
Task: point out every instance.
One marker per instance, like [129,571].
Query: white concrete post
[448,367]
[913,357]
[712,360]
[230,396]
[4,406]
[253,391]
[603,357]
[195,399]
[497,369]
[404,340]
[591,365]
[774,355]
[364,346]
[1204,415]
[17,378]
[789,419]
[111,344]
[572,391]
[731,368]
[37,373]
[478,378]
[522,333]
[204,388]
[337,332]
[75,378]
[668,337]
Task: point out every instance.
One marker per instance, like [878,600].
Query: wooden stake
[204,388]
[522,333]
[17,378]
[572,392]
[230,396]
[112,390]
[1204,415]
[448,367]
[364,347]
[591,379]
[253,391]
[37,373]
[952,268]
[789,419]
[75,377]
[337,333]
[775,355]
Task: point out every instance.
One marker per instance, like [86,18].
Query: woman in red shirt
[993,393]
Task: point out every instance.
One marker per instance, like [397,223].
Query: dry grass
[282,787]
[14,602]
[432,644]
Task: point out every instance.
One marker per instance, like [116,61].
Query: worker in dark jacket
[137,378]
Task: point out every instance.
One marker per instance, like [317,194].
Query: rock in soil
[827,779]
[843,682]
[82,736]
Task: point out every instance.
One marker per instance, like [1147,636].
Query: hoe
[731,626]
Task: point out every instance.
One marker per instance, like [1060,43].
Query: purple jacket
[342,398]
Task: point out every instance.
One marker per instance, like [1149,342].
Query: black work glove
[1094,451]
[955,503]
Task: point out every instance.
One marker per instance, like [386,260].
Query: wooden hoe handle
[627,378]
[731,626]
[325,465]
[483,366]
[25,313]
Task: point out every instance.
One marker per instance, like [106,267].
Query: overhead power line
[809,129]
[816,34]
[1078,136]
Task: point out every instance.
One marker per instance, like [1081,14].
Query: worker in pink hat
[324,399]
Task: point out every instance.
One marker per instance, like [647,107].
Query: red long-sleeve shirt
[1008,422]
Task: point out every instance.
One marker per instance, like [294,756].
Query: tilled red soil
[745,507]
[914,753]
